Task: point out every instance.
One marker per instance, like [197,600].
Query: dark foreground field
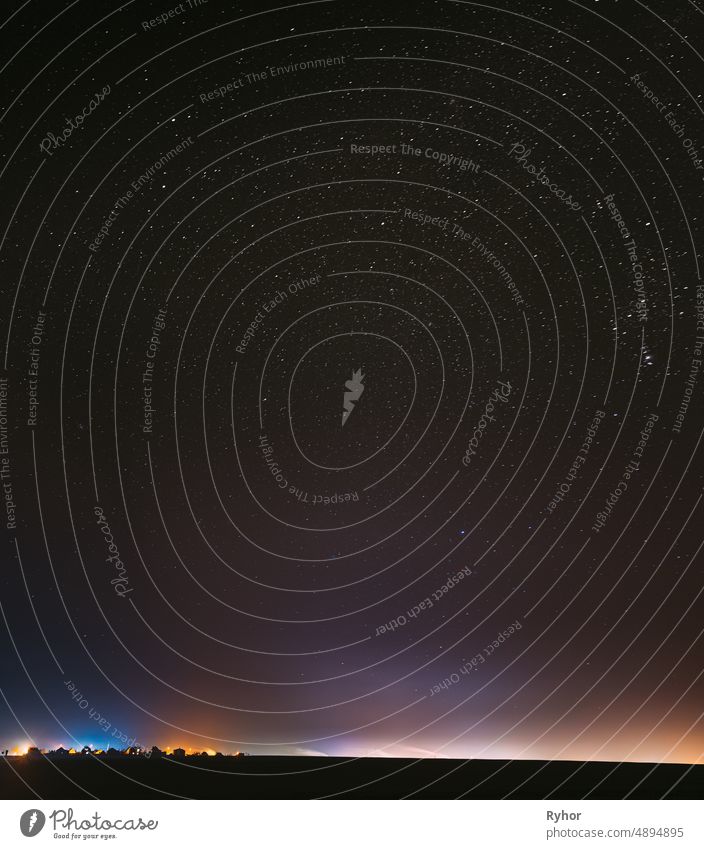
[367,778]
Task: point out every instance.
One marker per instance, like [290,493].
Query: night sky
[472,229]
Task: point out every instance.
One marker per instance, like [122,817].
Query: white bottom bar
[354,824]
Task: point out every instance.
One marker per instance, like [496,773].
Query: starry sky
[486,221]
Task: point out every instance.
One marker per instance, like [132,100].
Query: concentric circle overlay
[351,398]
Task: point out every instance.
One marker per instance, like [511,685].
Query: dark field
[366,778]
